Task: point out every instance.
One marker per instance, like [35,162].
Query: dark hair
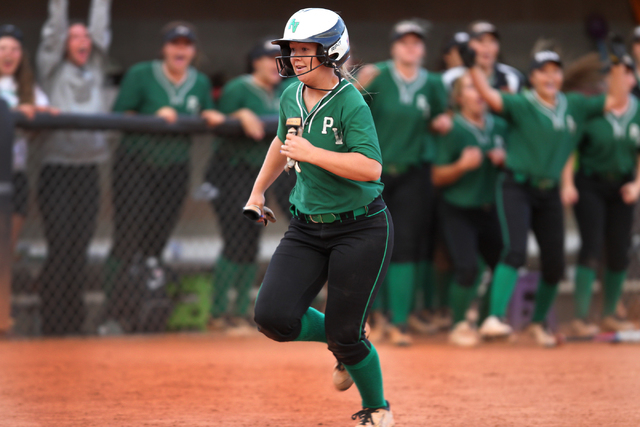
[24,79]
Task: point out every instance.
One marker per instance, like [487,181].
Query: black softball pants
[353,255]
[469,231]
[68,197]
[522,207]
[235,182]
[605,221]
[410,197]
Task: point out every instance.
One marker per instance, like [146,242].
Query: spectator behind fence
[18,89]
[233,168]
[151,172]
[71,63]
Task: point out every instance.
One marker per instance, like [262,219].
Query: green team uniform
[244,92]
[145,89]
[540,141]
[467,215]
[608,155]
[477,187]
[340,122]
[402,112]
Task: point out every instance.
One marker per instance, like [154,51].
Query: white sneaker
[380,417]
[399,336]
[614,324]
[341,378]
[582,329]
[420,326]
[464,335]
[492,327]
[542,337]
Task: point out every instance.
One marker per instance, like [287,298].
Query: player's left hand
[298,148]
[442,124]
[630,192]
[468,55]
[213,117]
[497,156]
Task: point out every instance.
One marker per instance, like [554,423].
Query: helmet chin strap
[335,70]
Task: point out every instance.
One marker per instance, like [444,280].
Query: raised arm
[491,96]
[54,35]
[100,24]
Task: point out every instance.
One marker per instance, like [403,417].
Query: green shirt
[145,89]
[475,188]
[610,143]
[340,122]
[540,138]
[243,92]
[402,112]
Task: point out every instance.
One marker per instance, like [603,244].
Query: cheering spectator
[71,63]
[151,173]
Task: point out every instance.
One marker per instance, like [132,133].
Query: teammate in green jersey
[466,169]
[542,135]
[151,172]
[341,232]
[604,190]
[404,98]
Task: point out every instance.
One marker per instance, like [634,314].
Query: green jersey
[610,143]
[540,138]
[145,89]
[340,122]
[243,92]
[475,188]
[402,111]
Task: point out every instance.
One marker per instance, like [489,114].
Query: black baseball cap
[479,28]
[409,26]
[457,40]
[543,57]
[264,48]
[180,29]
[10,30]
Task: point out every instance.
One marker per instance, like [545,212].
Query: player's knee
[349,353]
[273,324]
[466,276]
[515,258]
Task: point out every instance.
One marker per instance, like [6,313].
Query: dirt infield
[208,380]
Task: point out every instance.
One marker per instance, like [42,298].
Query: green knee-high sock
[442,281]
[368,378]
[245,282]
[545,297]
[460,298]
[401,279]
[425,283]
[613,282]
[584,288]
[504,281]
[225,276]
[312,327]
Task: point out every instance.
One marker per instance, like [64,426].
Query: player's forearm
[490,95]
[54,33]
[637,180]
[446,174]
[617,96]
[100,23]
[354,166]
[567,172]
[271,169]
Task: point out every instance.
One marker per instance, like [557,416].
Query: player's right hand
[251,124]
[168,114]
[468,55]
[569,195]
[470,158]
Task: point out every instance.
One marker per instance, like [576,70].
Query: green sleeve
[586,107]
[131,93]
[231,99]
[206,98]
[439,94]
[501,128]
[512,106]
[360,133]
[447,147]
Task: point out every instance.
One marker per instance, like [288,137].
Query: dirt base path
[207,380]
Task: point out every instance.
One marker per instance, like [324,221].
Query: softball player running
[466,169]
[233,167]
[341,230]
[404,97]
[605,190]
[542,135]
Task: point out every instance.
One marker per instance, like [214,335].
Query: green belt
[330,217]
[539,183]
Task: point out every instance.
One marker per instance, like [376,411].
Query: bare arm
[100,24]
[271,169]
[568,191]
[54,36]
[490,95]
[631,190]
[354,166]
[617,96]
[443,175]
[366,75]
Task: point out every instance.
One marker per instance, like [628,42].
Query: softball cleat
[616,324]
[379,417]
[492,327]
[543,337]
[464,335]
[582,329]
[341,378]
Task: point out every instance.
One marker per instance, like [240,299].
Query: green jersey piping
[175,94]
[620,123]
[556,115]
[407,90]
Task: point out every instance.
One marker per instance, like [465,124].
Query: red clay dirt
[213,380]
